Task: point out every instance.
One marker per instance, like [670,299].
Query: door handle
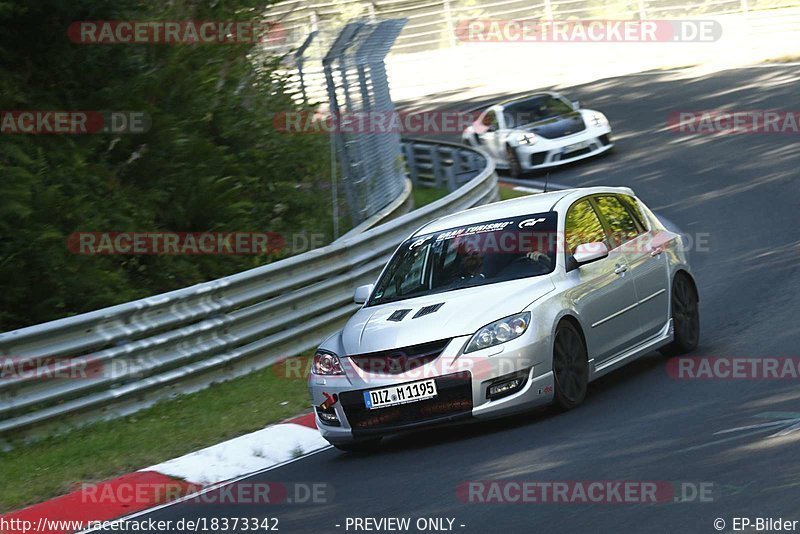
[656,251]
[620,269]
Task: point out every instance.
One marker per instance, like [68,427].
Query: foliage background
[211,160]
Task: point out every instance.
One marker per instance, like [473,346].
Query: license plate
[402,394]
[576,146]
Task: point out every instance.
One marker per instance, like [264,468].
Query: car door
[647,264]
[602,292]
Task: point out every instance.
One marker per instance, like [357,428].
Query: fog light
[505,387]
[328,417]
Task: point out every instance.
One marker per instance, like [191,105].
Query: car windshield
[470,256]
[534,109]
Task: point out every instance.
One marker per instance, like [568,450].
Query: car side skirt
[663,337]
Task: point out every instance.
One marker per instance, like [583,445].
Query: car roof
[536,203]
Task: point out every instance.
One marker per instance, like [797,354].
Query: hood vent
[428,310]
[398,315]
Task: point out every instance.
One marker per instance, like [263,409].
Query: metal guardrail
[126,357]
[437,165]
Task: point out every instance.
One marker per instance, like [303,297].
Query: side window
[490,121]
[621,223]
[582,226]
[635,210]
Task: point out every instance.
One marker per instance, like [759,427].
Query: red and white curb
[246,454]
[169,480]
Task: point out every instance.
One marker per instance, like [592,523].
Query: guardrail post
[436,162]
[450,172]
[411,162]
[458,164]
[472,160]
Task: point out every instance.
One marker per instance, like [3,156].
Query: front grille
[576,153]
[454,397]
[396,361]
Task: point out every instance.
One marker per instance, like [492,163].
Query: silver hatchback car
[503,307]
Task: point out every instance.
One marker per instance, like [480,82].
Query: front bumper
[547,153]
[462,385]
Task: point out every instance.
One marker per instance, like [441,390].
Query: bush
[211,160]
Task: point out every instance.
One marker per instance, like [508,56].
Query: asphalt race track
[638,424]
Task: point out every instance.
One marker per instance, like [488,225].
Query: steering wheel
[535,257]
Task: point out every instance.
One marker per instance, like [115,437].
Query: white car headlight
[326,363]
[499,332]
[526,138]
[599,119]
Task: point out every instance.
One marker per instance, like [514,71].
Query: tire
[570,367]
[685,317]
[514,167]
[363,446]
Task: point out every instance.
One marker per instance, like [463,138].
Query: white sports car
[503,307]
[539,131]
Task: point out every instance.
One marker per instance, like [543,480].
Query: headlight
[599,119]
[499,332]
[326,363]
[526,139]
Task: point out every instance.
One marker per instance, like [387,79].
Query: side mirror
[589,252]
[576,104]
[362,293]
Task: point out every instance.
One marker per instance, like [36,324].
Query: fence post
[448,22]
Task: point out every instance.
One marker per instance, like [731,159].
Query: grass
[34,472]
[507,193]
[426,195]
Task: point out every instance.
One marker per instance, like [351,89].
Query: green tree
[211,160]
